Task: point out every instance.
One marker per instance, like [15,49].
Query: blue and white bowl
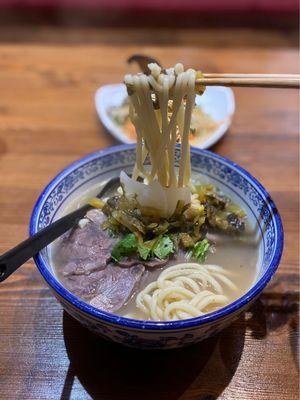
[232,180]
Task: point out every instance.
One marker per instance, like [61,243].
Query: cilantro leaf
[143,251]
[163,247]
[124,247]
[199,251]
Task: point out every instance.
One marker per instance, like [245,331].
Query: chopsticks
[291,81]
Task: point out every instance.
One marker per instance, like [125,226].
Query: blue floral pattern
[151,340]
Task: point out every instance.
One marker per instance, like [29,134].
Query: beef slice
[85,250]
[107,289]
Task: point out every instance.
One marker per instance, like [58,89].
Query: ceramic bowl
[232,180]
[217,101]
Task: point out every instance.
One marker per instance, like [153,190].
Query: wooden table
[47,120]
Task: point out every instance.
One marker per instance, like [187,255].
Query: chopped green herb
[124,247]
[163,247]
[199,252]
[144,251]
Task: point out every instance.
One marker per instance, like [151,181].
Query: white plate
[217,101]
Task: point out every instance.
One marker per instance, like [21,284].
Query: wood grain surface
[47,120]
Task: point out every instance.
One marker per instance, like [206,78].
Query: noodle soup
[162,247]
[238,255]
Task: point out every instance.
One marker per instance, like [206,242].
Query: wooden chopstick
[290,81]
[251,80]
[267,76]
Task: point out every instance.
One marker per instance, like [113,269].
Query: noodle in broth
[164,217]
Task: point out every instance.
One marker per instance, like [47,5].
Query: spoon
[17,256]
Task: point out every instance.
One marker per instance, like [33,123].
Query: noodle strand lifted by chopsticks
[161,106]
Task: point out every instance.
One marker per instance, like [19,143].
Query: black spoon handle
[14,258]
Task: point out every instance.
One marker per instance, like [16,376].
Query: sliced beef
[127,262]
[87,249]
[108,289]
[118,286]
[85,267]
[153,263]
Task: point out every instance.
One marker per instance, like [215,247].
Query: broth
[237,254]
[231,253]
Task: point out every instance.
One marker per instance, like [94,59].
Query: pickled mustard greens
[144,233]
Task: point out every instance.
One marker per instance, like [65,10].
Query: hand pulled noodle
[161,106]
[184,291]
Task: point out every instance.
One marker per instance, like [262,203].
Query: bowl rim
[157,325]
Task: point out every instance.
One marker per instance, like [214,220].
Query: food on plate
[202,124]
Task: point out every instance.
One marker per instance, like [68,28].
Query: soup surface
[81,261]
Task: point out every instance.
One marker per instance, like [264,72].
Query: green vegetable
[149,235]
[235,209]
[144,251]
[199,252]
[186,240]
[124,247]
[175,237]
[179,209]
[161,228]
[110,223]
[163,247]
[130,222]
